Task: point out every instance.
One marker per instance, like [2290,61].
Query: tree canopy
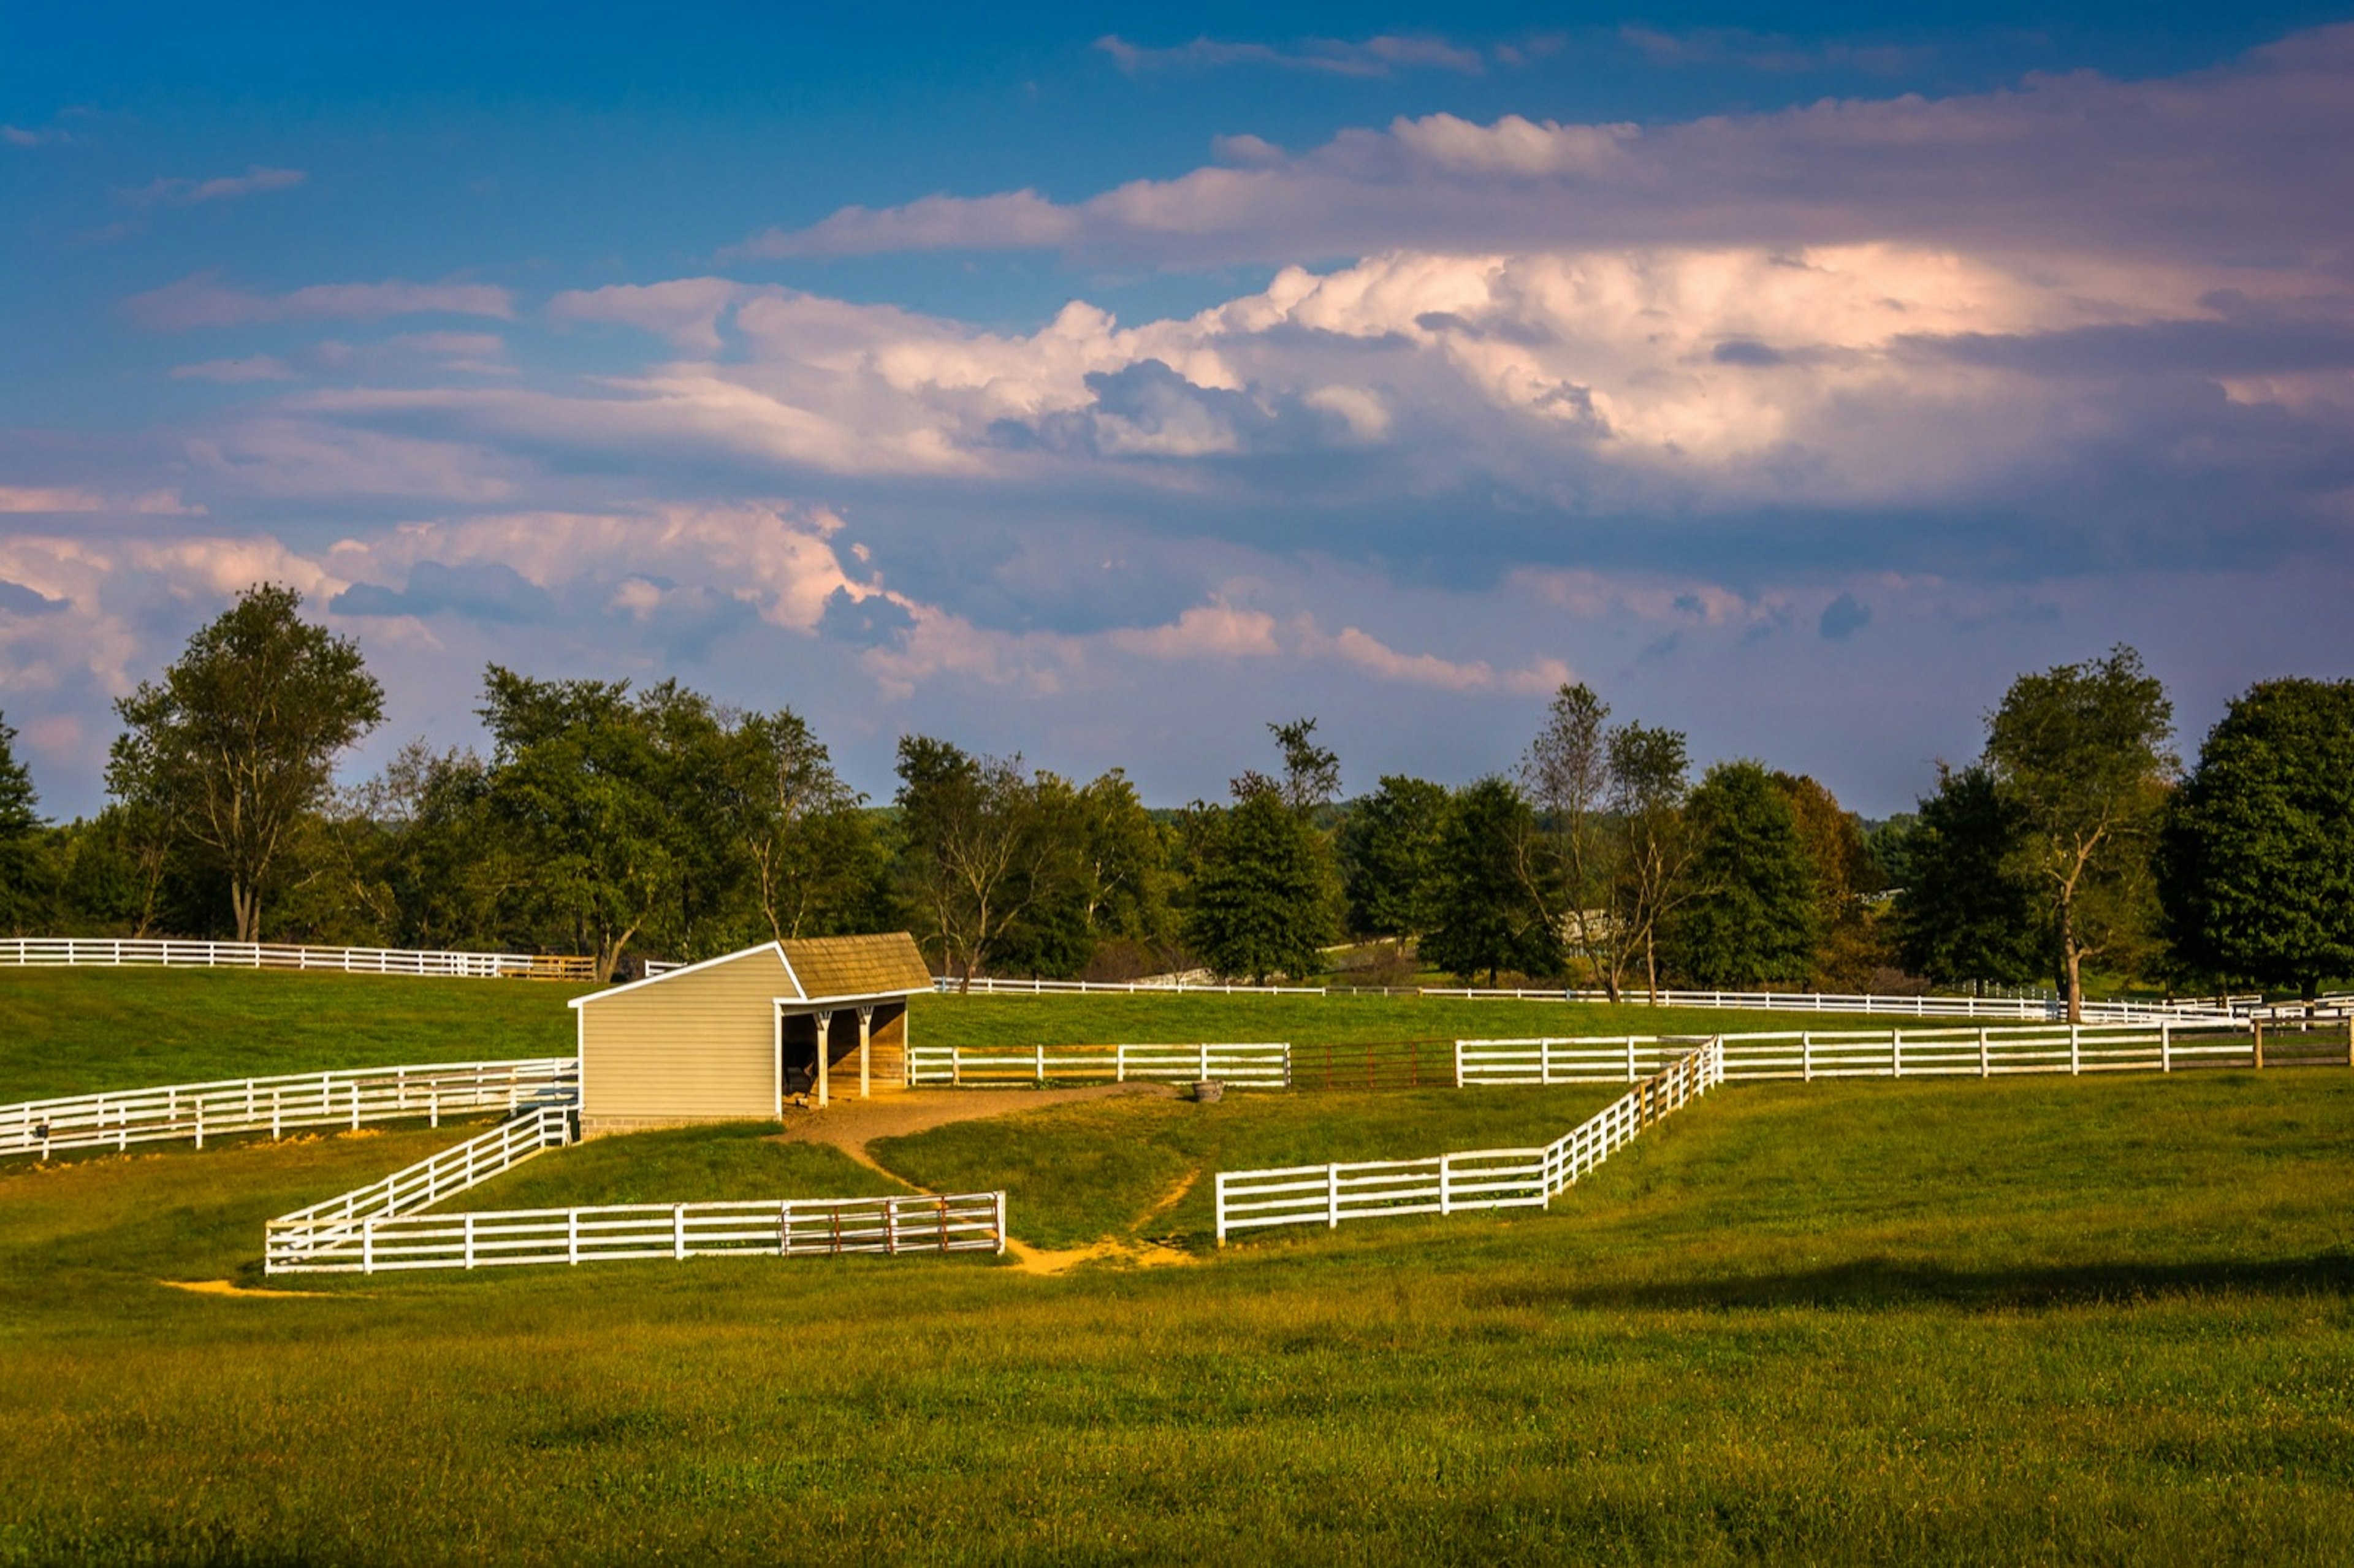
[2257,867]
[1755,918]
[238,742]
[2080,752]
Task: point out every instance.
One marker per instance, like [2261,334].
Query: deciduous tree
[1263,890]
[2080,752]
[1388,847]
[1485,916]
[2257,868]
[1753,917]
[239,738]
[1965,912]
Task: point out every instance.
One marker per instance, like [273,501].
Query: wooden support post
[865,1041]
[824,1041]
[2259,1028]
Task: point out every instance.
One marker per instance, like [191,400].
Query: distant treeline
[652,821]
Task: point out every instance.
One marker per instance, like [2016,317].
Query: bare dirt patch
[851,1124]
[225,1287]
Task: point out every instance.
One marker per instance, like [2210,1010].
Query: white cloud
[188,191]
[200,301]
[234,372]
[2241,160]
[1376,57]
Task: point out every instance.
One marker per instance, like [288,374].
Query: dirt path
[851,1124]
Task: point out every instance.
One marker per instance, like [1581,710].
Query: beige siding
[688,1046]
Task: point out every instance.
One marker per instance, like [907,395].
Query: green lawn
[67,1032]
[1073,1173]
[2025,1321]
[680,1165]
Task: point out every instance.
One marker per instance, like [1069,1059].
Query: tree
[1566,774]
[974,848]
[1850,945]
[1123,863]
[796,824]
[2257,864]
[20,827]
[1755,915]
[240,737]
[1649,773]
[1485,916]
[2080,751]
[1311,774]
[1965,914]
[603,793]
[1263,888]
[1388,847]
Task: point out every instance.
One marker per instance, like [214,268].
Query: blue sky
[1102,383]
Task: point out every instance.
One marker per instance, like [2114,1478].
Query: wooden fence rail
[899,1226]
[1985,1050]
[276,1105]
[108,952]
[2015,1009]
[1476,1178]
[445,1174]
[1257,1065]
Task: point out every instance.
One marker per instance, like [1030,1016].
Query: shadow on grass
[1887,1282]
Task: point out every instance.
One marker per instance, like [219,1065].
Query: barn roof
[818,969]
[884,965]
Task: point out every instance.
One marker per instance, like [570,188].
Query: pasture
[2032,1318]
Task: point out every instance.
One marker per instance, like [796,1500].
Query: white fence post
[1807,1055]
[1985,1067]
[1896,1052]
[2075,1064]
[1332,1197]
[678,1232]
[1222,1209]
[2165,1046]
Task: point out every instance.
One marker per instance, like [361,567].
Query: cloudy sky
[1103,383]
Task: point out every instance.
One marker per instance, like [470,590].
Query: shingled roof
[884,965]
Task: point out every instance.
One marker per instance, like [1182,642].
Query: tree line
[625,821]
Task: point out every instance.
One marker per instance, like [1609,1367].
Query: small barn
[732,1038]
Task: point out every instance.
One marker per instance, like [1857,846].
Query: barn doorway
[798,1046]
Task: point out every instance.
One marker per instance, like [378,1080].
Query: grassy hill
[66,1032]
[1938,1322]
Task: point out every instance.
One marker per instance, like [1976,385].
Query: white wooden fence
[345,1099]
[108,952]
[1248,1066]
[785,1227]
[1806,1054]
[2016,1009]
[1477,1179]
[982,985]
[329,1223]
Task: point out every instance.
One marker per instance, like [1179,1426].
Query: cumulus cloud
[2243,159]
[201,301]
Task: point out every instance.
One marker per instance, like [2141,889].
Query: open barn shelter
[733,1038]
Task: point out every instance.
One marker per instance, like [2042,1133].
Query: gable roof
[886,965]
[817,969]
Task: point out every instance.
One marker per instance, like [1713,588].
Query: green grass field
[65,1032]
[2033,1320]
